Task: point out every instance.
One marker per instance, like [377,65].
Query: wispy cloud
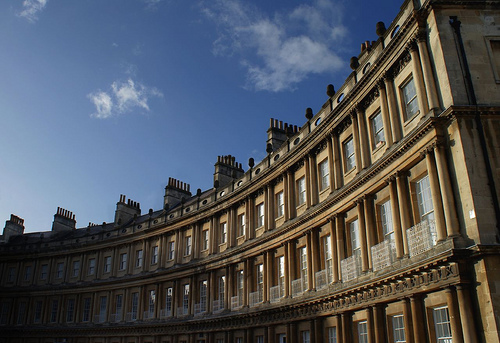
[122,97]
[281,50]
[31,9]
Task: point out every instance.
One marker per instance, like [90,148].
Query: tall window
[332,335]
[37,317]
[70,310]
[44,271]
[76,268]
[152,301]
[135,305]
[260,280]
[377,129]
[306,337]
[386,220]
[171,250]
[119,305]
[301,191]
[154,255]
[349,156]
[102,308]
[138,258]
[54,311]
[107,264]
[260,215]
[442,325]
[91,267]
[185,299]
[86,310]
[222,286]
[324,175]
[203,295]
[241,225]
[398,329]
[280,205]
[21,312]
[363,332]
[204,239]
[189,246]
[303,267]
[260,339]
[123,261]
[223,233]
[11,274]
[424,199]
[355,241]
[410,99]
[27,273]
[239,282]
[168,301]
[327,247]
[4,312]
[281,275]
[60,270]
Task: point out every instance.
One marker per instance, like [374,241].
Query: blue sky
[106,97]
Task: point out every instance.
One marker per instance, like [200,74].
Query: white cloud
[280,51]
[123,97]
[31,9]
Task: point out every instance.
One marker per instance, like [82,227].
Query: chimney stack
[175,191]
[64,220]
[227,170]
[277,133]
[126,210]
[13,227]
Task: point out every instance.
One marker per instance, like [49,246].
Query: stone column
[315,255]
[436,195]
[285,195]
[356,141]
[453,312]
[288,282]
[393,108]
[270,334]
[313,179]
[346,327]
[396,220]
[363,137]
[246,279]
[290,199]
[249,218]
[291,261]
[271,207]
[369,325]
[331,168]
[307,181]
[417,319]
[310,277]
[466,320]
[407,318]
[450,213]
[384,110]
[404,206]
[362,235]
[268,275]
[340,230]
[418,79]
[379,323]
[333,244]
[318,330]
[430,83]
[337,162]
[371,227]
[266,207]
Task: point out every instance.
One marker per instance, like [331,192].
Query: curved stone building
[375,221]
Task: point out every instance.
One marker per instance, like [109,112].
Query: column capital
[390,179]
[388,76]
[412,45]
[421,35]
[340,215]
[402,173]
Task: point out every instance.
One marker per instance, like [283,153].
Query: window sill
[323,191]
[350,171]
[380,145]
[412,118]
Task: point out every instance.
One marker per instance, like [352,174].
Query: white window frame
[301,191]
[410,100]
[324,175]
[280,204]
[349,154]
[378,132]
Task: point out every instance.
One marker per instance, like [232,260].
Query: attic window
[395,31]
[340,98]
[367,66]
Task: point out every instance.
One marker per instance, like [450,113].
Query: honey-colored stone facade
[376,221]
